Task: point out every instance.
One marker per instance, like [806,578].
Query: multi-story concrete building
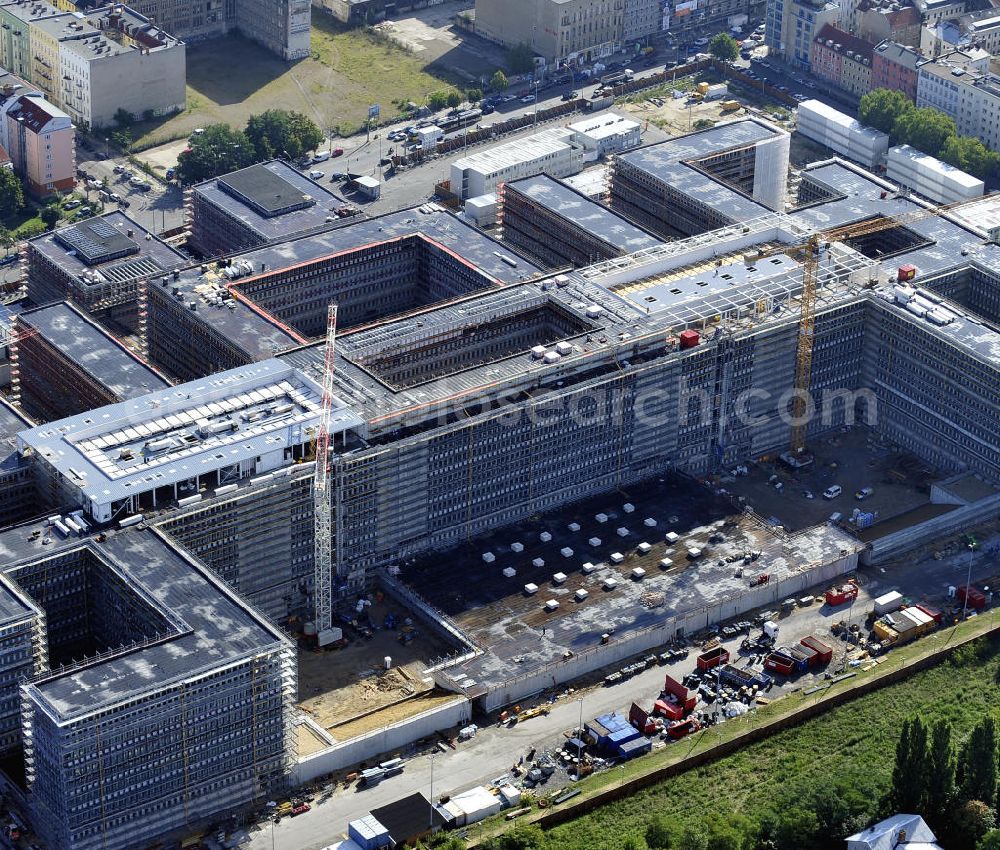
[842,59]
[895,66]
[790,27]
[545,219]
[100,265]
[641,19]
[881,20]
[557,30]
[729,173]
[281,26]
[264,203]
[63,363]
[40,139]
[93,65]
[960,85]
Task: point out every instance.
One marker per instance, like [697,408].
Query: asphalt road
[494,750]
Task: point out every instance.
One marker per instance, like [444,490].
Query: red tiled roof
[32,110]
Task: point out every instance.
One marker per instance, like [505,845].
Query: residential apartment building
[41,141]
[281,26]
[790,27]
[895,66]
[961,85]
[556,30]
[641,19]
[92,65]
[843,59]
[683,16]
[983,29]
[877,20]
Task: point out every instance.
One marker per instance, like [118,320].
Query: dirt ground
[392,714]
[853,459]
[429,35]
[347,71]
[336,687]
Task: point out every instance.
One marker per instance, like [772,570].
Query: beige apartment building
[557,30]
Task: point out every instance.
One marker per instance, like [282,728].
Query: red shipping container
[670,710]
[933,613]
[686,699]
[713,658]
[842,594]
[689,339]
[972,596]
[637,716]
[779,663]
[824,653]
[906,272]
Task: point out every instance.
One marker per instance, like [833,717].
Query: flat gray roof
[588,215]
[154,256]
[261,337]
[176,434]
[212,626]
[94,350]
[273,199]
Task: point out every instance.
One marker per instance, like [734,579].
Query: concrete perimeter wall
[366,747]
[631,645]
[963,518]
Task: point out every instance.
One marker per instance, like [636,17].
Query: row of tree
[928,130]
[221,149]
[954,790]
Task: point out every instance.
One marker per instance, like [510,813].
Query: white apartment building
[961,85]
[552,152]
[791,25]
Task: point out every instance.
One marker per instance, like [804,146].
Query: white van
[322,156]
[833,491]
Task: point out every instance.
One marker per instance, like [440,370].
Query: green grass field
[231,79]
[847,753]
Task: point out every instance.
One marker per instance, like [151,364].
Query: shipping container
[933,613]
[637,716]
[802,655]
[670,710]
[689,338]
[368,833]
[713,658]
[637,747]
[888,602]
[823,652]
[973,597]
[680,728]
[779,662]
[740,677]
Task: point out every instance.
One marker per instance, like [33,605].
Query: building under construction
[470,390]
[729,173]
[265,203]
[98,264]
[64,363]
[545,218]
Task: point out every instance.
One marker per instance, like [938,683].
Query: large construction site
[500,462]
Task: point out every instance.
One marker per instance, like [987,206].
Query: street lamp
[579,741]
[534,120]
[430,814]
[971,545]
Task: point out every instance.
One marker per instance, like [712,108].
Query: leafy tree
[796,828]
[939,787]
[454,98]
[659,833]
[632,843]
[219,150]
[11,193]
[990,841]
[724,47]
[881,108]
[7,240]
[926,129]
[521,58]
[30,229]
[437,100]
[282,133]
[50,215]
[122,138]
[971,155]
[973,820]
[123,117]
[499,82]
[840,808]
[977,763]
[474,95]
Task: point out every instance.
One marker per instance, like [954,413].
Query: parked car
[528,98]
[171,173]
[71,205]
[83,212]
[337,175]
[337,152]
[570,95]
[119,168]
[832,491]
[317,175]
[864,493]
